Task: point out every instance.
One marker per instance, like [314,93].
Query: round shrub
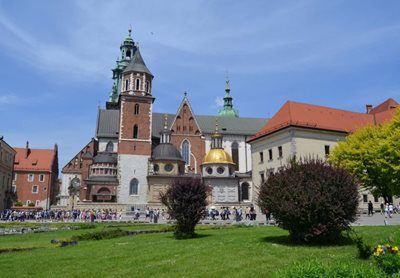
[311,199]
[186,201]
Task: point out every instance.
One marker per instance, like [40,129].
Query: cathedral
[136,153]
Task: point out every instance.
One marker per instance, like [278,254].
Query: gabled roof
[137,64]
[107,123]
[185,100]
[389,104]
[324,118]
[37,159]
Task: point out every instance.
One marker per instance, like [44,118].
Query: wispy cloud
[9,99]
[45,55]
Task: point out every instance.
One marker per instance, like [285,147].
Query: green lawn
[225,252]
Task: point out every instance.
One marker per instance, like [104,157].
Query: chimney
[27,150]
[369,108]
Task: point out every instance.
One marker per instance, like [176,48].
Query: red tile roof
[325,118]
[37,160]
[389,104]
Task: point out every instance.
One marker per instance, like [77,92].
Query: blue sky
[56,59]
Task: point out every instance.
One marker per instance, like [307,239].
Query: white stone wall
[129,167]
[304,143]
[244,149]
[103,144]
[223,190]
[65,182]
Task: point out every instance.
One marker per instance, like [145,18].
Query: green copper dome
[227,110]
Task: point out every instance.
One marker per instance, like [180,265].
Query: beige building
[7,157]
[302,130]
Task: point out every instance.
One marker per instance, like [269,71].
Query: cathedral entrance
[104,195]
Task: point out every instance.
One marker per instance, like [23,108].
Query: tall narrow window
[270,154]
[327,150]
[136,110]
[186,151]
[137,84]
[245,191]
[126,85]
[110,147]
[235,154]
[147,86]
[128,54]
[134,187]
[261,157]
[280,151]
[135,131]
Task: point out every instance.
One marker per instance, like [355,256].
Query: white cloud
[9,99]
[219,102]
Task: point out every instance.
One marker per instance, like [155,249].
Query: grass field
[216,252]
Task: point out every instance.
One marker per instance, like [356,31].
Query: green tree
[186,201]
[372,154]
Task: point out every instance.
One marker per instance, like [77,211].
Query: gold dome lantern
[217,156]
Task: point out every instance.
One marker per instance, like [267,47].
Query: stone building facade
[130,131]
[303,130]
[7,192]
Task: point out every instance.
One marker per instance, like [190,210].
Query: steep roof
[37,159]
[324,118]
[137,64]
[389,104]
[242,126]
[107,123]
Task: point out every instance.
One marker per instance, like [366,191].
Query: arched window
[137,84]
[135,131]
[245,191]
[110,147]
[134,187]
[147,86]
[126,85]
[128,54]
[136,110]
[186,151]
[235,154]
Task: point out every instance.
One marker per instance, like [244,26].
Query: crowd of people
[387,209]
[237,213]
[60,215]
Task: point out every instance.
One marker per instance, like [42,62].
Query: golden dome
[215,156]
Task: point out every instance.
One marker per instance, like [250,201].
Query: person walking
[370,208]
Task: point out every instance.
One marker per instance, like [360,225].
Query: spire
[165,133]
[216,138]
[137,64]
[228,110]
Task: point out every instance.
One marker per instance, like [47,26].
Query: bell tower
[127,51]
[134,142]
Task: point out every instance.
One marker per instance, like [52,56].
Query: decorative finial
[165,121]
[216,125]
[185,93]
[130,30]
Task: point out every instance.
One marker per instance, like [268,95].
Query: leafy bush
[312,200]
[186,201]
[18,204]
[31,205]
[314,269]
[364,249]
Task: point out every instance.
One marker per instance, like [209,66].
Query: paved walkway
[377,220]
